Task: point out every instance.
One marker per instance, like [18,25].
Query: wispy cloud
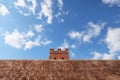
[20,3]
[3,10]
[29,44]
[38,27]
[112,2]
[75,35]
[60,4]
[72,54]
[42,10]
[46,10]
[25,8]
[64,45]
[103,56]
[32,8]
[92,31]
[73,46]
[46,42]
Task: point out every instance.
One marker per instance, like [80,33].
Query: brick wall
[59,54]
[59,70]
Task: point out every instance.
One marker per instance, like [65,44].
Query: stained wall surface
[59,70]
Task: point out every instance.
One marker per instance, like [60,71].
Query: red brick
[59,54]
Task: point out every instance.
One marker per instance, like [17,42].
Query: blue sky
[90,29]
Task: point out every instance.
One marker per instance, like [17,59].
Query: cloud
[97,55]
[25,8]
[61,20]
[20,3]
[15,39]
[72,54]
[30,34]
[73,46]
[3,10]
[46,42]
[38,27]
[60,4]
[42,9]
[29,44]
[75,35]
[32,8]
[64,45]
[46,10]
[103,56]
[113,40]
[118,57]
[24,40]
[112,2]
[25,14]
[113,43]
[92,31]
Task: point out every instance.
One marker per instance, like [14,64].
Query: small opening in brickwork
[62,57]
[55,58]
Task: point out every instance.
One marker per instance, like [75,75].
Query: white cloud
[24,40]
[103,56]
[113,43]
[25,14]
[86,36]
[62,20]
[75,35]
[46,42]
[112,2]
[73,46]
[38,28]
[20,3]
[108,56]
[60,4]
[42,10]
[46,11]
[97,55]
[64,45]
[24,8]
[118,57]
[113,40]
[30,34]
[32,8]
[93,31]
[72,54]
[29,44]
[15,39]
[3,10]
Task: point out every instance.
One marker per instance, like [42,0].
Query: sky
[90,29]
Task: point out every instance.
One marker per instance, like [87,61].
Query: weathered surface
[59,70]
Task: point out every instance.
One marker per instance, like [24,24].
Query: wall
[59,70]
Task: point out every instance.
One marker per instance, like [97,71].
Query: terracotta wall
[59,54]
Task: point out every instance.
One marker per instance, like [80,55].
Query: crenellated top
[65,51]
